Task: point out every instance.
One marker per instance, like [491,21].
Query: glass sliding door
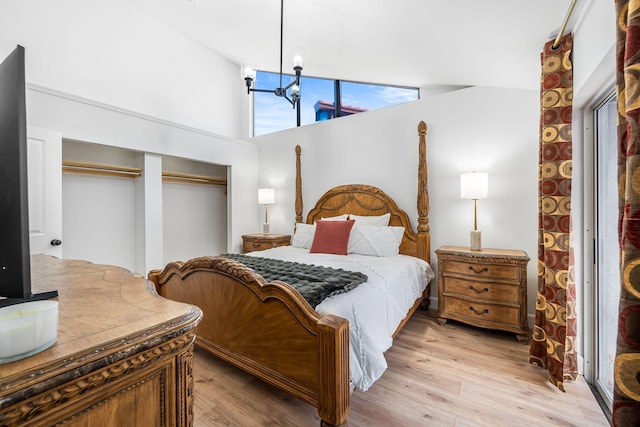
[607,257]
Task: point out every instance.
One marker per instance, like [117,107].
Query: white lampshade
[266,196]
[297,61]
[474,185]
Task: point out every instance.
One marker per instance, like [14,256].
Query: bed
[269,329]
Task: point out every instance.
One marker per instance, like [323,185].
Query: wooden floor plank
[451,375]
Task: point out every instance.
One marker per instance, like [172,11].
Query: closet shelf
[194,179]
[100,169]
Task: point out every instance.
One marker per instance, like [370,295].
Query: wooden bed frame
[268,329]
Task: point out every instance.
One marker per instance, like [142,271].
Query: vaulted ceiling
[419,43]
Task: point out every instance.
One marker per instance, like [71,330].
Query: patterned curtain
[554,332]
[626,400]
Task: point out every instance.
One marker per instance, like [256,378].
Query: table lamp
[474,185]
[266,196]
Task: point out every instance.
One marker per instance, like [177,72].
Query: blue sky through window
[272,113]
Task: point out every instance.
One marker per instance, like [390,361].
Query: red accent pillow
[331,237]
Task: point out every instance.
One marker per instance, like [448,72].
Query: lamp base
[476,240]
[265,228]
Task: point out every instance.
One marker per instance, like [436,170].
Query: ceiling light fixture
[293,87]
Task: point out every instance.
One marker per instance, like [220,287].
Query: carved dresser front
[123,355]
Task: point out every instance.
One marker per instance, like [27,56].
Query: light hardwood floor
[452,375]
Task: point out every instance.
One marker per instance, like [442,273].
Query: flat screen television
[15,258]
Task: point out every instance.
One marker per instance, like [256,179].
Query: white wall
[92,228]
[83,120]
[111,52]
[193,223]
[149,219]
[483,129]
[594,37]
[194,215]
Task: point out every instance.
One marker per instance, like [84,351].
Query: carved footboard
[266,329]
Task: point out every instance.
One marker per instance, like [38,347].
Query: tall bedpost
[298,204]
[333,362]
[424,239]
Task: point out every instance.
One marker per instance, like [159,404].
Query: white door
[44,154]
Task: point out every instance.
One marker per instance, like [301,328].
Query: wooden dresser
[486,288]
[260,242]
[123,355]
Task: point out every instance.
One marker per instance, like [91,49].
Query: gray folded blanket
[314,283]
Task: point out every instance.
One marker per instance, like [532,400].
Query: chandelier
[290,92]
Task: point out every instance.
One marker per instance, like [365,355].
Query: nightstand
[486,288]
[260,242]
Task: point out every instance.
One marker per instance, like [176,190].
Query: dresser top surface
[102,309]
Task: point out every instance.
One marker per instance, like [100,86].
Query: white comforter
[374,309]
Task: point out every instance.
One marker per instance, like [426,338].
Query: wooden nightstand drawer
[479,269]
[486,288]
[481,291]
[260,242]
[475,312]
[256,246]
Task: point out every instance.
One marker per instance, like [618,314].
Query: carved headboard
[359,199]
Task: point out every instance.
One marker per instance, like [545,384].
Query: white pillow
[303,237]
[342,217]
[375,241]
[371,221]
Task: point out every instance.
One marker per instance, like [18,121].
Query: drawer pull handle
[480,313]
[484,270]
[478,291]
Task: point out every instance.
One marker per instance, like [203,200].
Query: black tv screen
[15,262]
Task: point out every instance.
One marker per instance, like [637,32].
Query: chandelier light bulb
[249,73]
[297,61]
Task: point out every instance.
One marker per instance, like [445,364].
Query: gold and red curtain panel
[554,332]
[626,401]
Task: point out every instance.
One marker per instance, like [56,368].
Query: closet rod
[100,169]
[564,25]
[195,179]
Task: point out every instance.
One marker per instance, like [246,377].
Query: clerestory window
[322,99]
